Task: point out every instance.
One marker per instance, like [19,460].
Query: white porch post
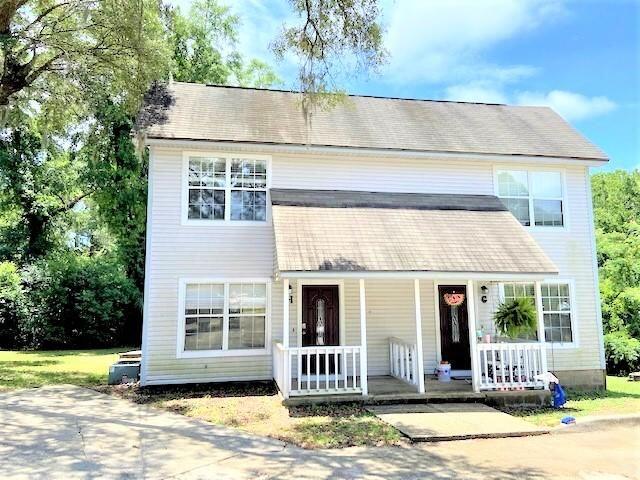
[286,366]
[420,354]
[473,339]
[541,337]
[285,313]
[363,340]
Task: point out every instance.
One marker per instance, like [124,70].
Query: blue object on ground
[559,397]
[567,420]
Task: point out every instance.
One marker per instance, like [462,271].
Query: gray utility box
[124,372]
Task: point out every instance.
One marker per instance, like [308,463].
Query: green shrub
[12,305]
[81,302]
[516,317]
[622,352]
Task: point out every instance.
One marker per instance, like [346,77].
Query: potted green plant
[516,318]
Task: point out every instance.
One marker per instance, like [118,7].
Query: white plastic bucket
[444,372]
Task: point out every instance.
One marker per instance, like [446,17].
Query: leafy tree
[117,174]
[332,37]
[203,50]
[39,186]
[616,197]
[60,53]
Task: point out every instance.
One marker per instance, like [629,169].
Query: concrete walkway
[453,421]
[68,432]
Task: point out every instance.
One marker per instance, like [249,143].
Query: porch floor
[385,385]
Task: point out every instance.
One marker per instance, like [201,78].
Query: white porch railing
[317,370]
[510,365]
[403,361]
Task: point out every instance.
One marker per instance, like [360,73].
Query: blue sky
[580,57]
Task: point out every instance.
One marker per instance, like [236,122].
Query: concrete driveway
[70,432]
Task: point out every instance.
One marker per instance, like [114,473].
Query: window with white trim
[511,291]
[557,312]
[227,188]
[556,307]
[534,197]
[225,316]
[520,290]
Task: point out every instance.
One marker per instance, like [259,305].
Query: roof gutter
[191,144]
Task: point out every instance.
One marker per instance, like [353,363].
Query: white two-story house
[370,241]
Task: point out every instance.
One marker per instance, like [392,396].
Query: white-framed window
[225,187]
[535,197]
[557,307]
[512,291]
[558,312]
[223,317]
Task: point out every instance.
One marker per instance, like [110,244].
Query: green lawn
[621,397]
[34,369]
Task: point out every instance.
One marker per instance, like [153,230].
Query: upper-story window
[226,188]
[534,197]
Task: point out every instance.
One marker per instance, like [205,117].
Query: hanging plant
[516,317]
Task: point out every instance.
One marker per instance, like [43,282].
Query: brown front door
[454,326]
[320,322]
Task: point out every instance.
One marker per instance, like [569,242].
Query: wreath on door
[454,299]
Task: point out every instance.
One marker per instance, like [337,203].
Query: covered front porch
[389,285]
[403,366]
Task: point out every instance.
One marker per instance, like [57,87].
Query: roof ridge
[380,97]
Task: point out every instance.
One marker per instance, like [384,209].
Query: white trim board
[146,302]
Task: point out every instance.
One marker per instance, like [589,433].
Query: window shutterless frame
[181,323]
[184,202]
[531,199]
[573,310]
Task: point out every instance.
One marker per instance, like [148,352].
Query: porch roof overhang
[400,235]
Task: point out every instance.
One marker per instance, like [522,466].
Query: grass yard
[258,409]
[621,397]
[36,368]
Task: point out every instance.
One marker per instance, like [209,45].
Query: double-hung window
[535,198]
[557,308]
[557,312]
[227,188]
[224,317]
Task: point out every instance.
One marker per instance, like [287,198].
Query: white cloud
[572,106]
[443,41]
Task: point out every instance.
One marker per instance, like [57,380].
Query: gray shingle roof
[229,114]
[404,201]
[357,238]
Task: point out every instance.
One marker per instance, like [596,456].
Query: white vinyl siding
[246,250]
